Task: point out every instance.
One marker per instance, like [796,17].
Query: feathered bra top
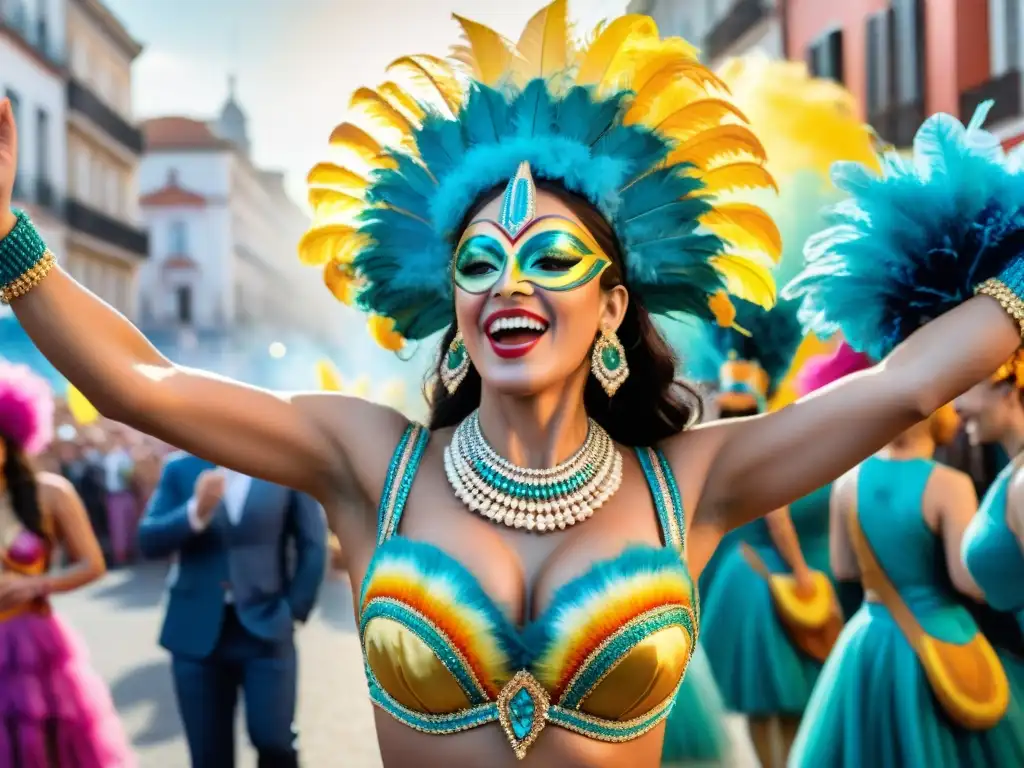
[633,123]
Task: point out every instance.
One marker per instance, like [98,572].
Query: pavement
[119,617]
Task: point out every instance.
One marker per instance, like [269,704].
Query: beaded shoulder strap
[401,472]
[667,499]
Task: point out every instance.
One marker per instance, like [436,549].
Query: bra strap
[667,500]
[401,472]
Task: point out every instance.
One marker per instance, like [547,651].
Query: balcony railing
[84,101]
[38,192]
[898,124]
[1005,90]
[741,18]
[103,227]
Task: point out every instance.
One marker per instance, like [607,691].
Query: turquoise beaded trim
[613,650]
[667,501]
[21,250]
[436,640]
[610,730]
[437,725]
[496,479]
[403,470]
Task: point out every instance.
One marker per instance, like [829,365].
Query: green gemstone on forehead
[611,358]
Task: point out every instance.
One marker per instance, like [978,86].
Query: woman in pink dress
[55,712]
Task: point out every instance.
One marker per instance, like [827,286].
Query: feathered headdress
[26,408]
[822,370]
[914,241]
[1012,371]
[633,123]
[749,365]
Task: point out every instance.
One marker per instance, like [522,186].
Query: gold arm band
[1008,300]
[29,280]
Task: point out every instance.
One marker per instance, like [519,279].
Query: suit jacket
[250,559]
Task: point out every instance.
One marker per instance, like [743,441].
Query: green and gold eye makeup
[551,252]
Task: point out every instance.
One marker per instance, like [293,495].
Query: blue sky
[296,60]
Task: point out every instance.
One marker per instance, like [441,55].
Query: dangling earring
[608,362]
[455,365]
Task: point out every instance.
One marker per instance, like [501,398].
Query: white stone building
[32,55]
[223,234]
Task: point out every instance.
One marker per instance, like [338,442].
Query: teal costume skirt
[758,669]
[873,707]
[695,730]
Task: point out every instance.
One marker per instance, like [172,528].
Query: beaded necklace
[535,499]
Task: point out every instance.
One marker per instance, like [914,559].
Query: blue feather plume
[912,243]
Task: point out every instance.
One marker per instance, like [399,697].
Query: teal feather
[582,119]
[673,218]
[394,188]
[636,146]
[440,144]
[485,119]
[533,111]
[665,185]
[914,242]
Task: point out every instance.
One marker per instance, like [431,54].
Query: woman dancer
[993,548]
[760,670]
[888,695]
[54,710]
[526,565]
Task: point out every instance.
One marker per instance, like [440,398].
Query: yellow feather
[698,116]
[643,59]
[680,78]
[746,279]
[746,227]
[329,204]
[328,376]
[601,54]
[491,53]
[727,178]
[341,281]
[544,46]
[355,139]
[402,101]
[336,177]
[382,329]
[722,141]
[379,111]
[331,242]
[435,73]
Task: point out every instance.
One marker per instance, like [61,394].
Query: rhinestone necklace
[534,499]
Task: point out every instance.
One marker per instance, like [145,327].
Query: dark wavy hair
[651,404]
[20,478]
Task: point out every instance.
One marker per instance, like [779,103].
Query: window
[81,182]
[907,53]
[825,57]
[879,63]
[42,28]
[1011,33]
[110,190]
[183,298]
[178,238]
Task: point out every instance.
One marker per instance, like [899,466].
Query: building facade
[721,28]
[1003,83]
[32,75]
[106,245]
[223,234]
[902,59]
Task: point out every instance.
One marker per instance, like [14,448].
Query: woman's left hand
[16,590]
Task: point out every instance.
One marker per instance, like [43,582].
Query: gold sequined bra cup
[604,659]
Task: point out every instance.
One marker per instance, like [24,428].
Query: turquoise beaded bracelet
[24,259]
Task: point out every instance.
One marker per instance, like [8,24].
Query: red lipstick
[511,350]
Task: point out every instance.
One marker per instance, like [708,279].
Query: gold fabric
[643,678]
[409,670]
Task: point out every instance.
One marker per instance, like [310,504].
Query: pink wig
[26,408]
[824,369]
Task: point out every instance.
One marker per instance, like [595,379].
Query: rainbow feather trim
[633,123]
[639,584]
[913,242]
[437,587]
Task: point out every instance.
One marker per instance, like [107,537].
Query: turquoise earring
[455,365]
[608,362]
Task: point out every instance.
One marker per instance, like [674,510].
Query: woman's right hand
[8,165]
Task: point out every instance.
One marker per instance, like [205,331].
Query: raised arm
[302,441]
[764,462]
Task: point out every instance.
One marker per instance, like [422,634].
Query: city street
[120,619]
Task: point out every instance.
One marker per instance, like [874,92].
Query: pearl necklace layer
[534,499]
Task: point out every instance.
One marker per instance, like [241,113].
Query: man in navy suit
[234,602]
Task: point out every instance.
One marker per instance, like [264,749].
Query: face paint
[552,252]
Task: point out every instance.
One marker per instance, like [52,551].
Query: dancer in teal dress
[695,734]
[993,548]
[897,522]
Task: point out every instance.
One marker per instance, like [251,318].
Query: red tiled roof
[180,133]
[172,195]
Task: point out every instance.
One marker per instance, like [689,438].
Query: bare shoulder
[1015,489]
[949,480]
[54,486]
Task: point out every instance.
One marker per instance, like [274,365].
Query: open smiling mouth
[514,333]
